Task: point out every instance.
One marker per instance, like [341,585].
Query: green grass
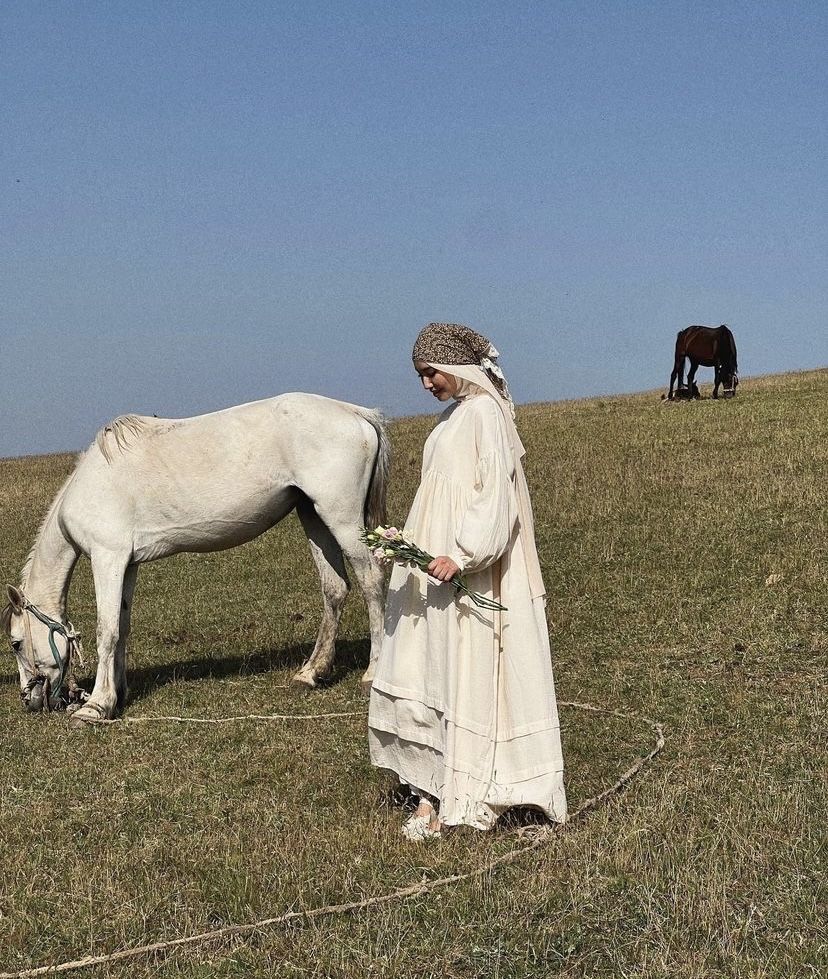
[658,527]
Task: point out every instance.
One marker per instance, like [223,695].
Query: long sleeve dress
[463,700]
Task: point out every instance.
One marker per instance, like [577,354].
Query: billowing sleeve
[485,528]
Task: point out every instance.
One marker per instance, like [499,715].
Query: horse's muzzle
[32,699]
[37,697]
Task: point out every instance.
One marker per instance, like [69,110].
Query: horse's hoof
[88,714]
[302,684]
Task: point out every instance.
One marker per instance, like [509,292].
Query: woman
[463,701]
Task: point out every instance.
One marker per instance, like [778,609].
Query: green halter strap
[67,631]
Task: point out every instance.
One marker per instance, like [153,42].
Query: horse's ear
[16,598]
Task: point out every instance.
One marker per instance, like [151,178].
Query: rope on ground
[400,894]
[148,718]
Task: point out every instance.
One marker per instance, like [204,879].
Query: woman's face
[441,386]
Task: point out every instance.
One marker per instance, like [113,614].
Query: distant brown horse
[705,346]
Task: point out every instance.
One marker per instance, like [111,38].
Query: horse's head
[43,649]
[730,382]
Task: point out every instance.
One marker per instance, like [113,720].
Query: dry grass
[658,527]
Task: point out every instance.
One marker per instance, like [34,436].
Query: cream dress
[463,699]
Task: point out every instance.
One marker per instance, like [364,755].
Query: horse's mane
[27,566]
[6,611]
[120,433]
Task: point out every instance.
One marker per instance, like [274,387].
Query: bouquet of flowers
[388,544]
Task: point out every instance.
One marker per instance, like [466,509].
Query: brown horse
[705,346]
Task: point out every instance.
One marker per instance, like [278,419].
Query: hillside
[684,550]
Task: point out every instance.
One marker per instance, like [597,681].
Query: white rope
[221,720]
[400,894]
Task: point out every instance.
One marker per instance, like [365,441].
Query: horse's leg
[717,379]
[108,572]
[369,575]
[371,580]
[124,623]
[333,576]
[691,376]
[678,371]
[678,361]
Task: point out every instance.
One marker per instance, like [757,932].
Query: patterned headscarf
[453,343]
[450,343]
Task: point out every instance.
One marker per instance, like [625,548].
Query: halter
[73,647]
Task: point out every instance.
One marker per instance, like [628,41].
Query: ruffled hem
[464,799]
[475,777]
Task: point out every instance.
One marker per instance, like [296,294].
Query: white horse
[150,487]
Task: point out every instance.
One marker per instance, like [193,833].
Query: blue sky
[206,203]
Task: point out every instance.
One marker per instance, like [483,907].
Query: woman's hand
[443,568]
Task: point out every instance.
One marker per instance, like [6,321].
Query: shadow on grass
[351,657]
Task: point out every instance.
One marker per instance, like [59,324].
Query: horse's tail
[729,344]
[375,512]
[681,343]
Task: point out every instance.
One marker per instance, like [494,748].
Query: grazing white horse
[151,487]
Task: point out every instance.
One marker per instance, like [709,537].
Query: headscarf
[457,350]
[455,344]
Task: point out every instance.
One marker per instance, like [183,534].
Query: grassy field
[684,549]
